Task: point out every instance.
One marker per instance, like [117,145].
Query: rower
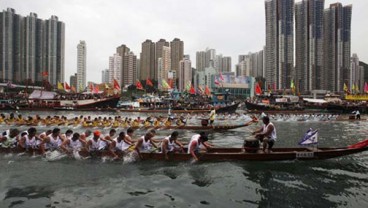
[129,135]
[168,144]
[181,121]
[52,141]
[9,138]
[29,139]
[86,136]
[144,144]
[94,144]
[266,134]
[106,141]
[68,134]
[196,142]
[72,144]
[120,145]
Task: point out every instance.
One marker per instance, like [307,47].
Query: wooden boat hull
[280,154]
[236,154]
[214,128]
[256,107]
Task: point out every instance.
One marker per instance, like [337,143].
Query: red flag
[221,77]
[116,85]
[45,73]
[66,87]
[171,83]
[207,91]
[148,82]
[258,89]
[217,82]
[192,90]
[73,89]
[139,85]
[91,87]
[96,89]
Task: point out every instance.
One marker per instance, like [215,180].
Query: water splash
[54,155]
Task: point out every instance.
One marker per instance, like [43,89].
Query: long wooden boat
[238,154]
[222,110]
[215,128]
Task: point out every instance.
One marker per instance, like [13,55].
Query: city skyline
[96,22]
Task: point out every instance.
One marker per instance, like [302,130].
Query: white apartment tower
[115,68]
[81,65]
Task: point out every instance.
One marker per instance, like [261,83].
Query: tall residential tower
[81,66]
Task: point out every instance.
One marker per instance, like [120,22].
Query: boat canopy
[42,95]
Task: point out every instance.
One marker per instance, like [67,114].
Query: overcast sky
[232,27]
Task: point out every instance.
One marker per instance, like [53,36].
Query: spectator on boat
[266,134]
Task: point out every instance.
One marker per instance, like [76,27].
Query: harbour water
[342,182]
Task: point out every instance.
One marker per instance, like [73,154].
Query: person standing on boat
[266,134]
[195,144]
[169,144]
[357,115]
[212,116]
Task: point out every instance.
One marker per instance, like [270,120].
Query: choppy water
[343,182]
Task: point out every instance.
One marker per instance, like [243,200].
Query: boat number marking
[304,154]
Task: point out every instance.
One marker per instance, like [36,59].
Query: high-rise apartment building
[31,48]
[279,42]
[115,68]
[73,82]
[129,69]
[122,51]
[356,74]
[337,46]
[185,73]
[81,65]
[105,76]
[159,50]
[164,64]
[147,59]
[309,45]
[226,64]
[200,60]
[177,54]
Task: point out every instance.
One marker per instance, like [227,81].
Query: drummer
[266,134]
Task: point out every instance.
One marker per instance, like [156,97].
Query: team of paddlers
[113,144]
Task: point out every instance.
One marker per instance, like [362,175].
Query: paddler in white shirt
[170,144]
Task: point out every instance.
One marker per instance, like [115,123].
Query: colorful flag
[346,89]
[81,87]
[365,87]
[149,83]
[95,89]
[45,73]
[116,85]
[171,83]
[60,86]
[66,87]
[138,84]
[207,91]
[258,89]
[200,90]
[221,77]
[310,137]
[192,90]
[165,85]
[357,88]
[217,82]
[73,89]
[91,87]
[292,86]
[189,84]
